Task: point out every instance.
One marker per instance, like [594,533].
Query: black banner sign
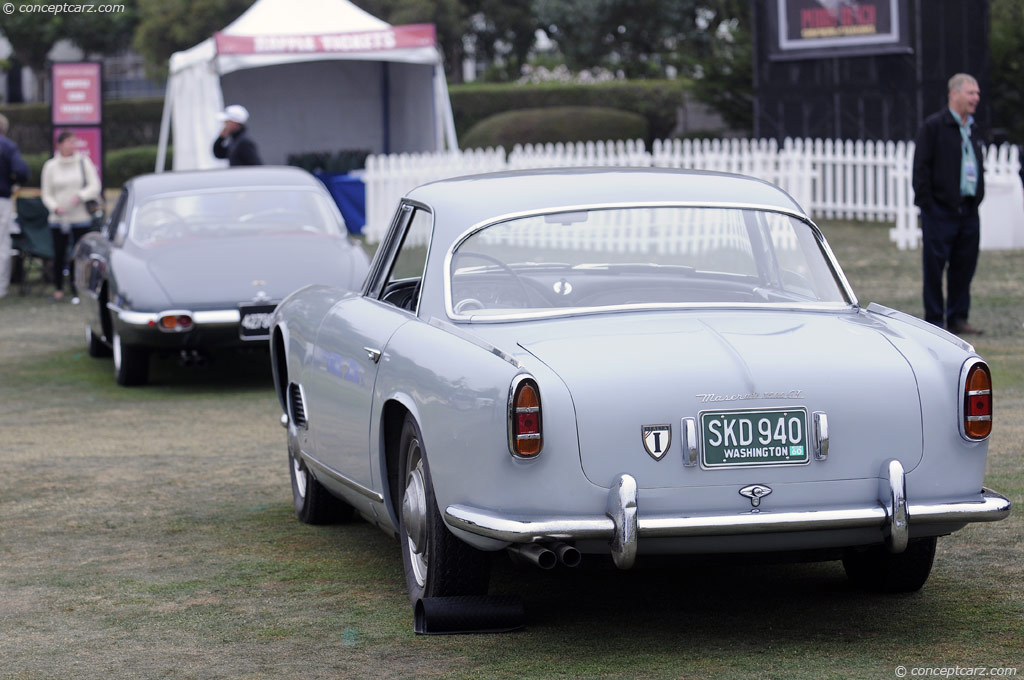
[806,29]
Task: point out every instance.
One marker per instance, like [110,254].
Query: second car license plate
[255,321]
[746,438]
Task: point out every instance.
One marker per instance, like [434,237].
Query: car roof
[468,201]
[221,178]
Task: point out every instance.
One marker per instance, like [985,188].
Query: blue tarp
[349,193]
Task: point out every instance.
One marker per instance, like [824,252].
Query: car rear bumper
[623,525]
[209,329]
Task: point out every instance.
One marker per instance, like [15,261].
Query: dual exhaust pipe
[547,555]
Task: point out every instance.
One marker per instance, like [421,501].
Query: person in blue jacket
[13,171]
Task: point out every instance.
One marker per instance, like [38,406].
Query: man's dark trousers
[950,237]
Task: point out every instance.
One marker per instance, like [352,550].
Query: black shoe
[964,328]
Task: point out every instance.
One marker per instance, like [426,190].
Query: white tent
[316,75]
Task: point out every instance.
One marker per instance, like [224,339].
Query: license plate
[255,321]
[748,438]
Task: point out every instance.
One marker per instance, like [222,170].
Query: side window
[118,214]
[402,285]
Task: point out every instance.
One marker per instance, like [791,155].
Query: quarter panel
[461,391]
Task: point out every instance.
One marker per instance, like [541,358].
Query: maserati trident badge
[755,492]
[657,439]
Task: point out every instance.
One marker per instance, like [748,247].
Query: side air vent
[297,406]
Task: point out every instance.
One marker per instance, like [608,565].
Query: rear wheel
[313,503]
[131,363]
[882,571]
[437,564]
[96,347]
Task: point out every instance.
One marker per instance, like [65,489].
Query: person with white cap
[234,142]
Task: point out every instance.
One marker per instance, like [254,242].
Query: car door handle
[373,354]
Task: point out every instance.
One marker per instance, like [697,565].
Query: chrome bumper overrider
[623,526]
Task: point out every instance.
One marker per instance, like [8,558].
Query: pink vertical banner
[90,144]
[77,93]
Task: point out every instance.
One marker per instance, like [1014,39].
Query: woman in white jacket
[68,180]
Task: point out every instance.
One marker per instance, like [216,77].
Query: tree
[32,36]
[450,17]
[502,32]
[726,81]
[101,33]
[169,26]
[1006,51]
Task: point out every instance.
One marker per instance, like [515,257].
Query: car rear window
[641,257]
[235,212]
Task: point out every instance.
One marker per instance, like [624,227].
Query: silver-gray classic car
[191,262]
[626,362]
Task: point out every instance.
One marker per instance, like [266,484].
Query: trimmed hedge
[655,100]
[136,122]
[126,123]
[121,165]
[555,124]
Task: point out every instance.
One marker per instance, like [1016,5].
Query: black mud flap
[469,614]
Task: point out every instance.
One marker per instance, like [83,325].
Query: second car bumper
[623,526]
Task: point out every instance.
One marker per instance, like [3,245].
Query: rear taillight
[175,322]
[977,402]
[525,424]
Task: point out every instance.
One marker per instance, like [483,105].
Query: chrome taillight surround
[979,412]
[522,438]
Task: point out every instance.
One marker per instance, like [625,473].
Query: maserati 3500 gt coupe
[584,364]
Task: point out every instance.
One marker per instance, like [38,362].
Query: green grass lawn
[149,533]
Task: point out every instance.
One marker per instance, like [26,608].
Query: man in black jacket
[949,183]
[234,143]
[13,171]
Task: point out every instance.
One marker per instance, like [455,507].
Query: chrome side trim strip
[350,483]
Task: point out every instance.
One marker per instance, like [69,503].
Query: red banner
[395,37]
[77,93]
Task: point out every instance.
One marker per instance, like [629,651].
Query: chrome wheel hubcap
[117,351]
[414,514]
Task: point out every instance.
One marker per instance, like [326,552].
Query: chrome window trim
[837,271]
[449,327]
[961,394]
[381,270]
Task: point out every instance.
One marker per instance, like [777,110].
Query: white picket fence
[830,179]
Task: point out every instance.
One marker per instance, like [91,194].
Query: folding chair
[35,242]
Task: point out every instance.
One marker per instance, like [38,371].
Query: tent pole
[165,128]
[385,104]
[445,117]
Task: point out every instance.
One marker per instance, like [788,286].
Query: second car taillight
[175,323]
[977,400]
[525,423]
